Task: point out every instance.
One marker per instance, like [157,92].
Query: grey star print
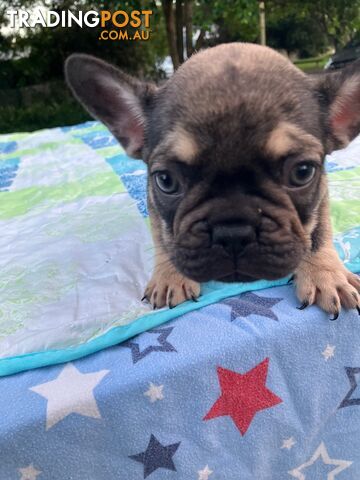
[248,304]
[162,346]
[348,401]
[156,456]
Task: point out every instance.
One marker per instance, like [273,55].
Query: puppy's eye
[166,182]
[301,174]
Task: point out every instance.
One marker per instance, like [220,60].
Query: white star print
[70,392]
[205,473]
[288,443]
[322,453]
[155,392]
[29,473]
[328,352]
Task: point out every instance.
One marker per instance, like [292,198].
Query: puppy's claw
[331,289]
[170,289]
[195,299]
[303,306]
[358,309]
[144,298]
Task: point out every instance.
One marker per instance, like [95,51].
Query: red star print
[243,395]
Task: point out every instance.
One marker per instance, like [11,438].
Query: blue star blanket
[247,388]
[76,251]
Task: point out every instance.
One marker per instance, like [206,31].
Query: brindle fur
[227,125]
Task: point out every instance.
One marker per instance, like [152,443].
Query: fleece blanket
[249,388]
[75,246]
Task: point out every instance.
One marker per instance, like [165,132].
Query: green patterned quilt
[75,246]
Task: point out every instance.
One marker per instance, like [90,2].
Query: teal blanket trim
[211,292]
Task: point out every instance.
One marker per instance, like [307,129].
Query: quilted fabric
[76,251]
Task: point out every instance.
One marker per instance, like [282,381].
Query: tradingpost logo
[118,25]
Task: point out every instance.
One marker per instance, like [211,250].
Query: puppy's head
[235,144]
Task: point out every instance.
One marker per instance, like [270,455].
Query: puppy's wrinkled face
[236,167]
[235,144]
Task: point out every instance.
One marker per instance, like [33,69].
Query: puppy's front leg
[167,286]
[322,279]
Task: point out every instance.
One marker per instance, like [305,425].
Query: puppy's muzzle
[233,238]
[229,242]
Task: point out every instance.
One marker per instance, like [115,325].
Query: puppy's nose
[234,237]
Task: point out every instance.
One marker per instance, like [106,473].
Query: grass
[40,115]
[314,63]
[61,109]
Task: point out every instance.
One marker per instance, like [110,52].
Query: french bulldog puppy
[235,144]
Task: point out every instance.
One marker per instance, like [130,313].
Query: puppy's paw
[169,289]
[329,289]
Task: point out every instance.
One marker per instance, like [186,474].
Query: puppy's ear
[113,97]
[340,94]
